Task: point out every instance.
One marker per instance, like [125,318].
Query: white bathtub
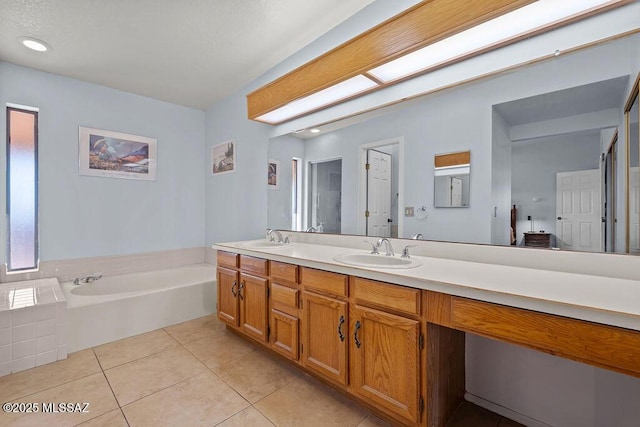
[121,306]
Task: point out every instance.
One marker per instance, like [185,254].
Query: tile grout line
[104,374]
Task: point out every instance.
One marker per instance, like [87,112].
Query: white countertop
[606,300]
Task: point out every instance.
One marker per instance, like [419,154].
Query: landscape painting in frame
[223,157]
[117,155]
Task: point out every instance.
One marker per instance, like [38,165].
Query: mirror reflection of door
[325,183]
[378,193]
[609,205]
[456,191]
[633,172]
[578,210]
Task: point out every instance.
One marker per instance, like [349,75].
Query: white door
[456,192]
[634,210]
[378,193]
[578,223]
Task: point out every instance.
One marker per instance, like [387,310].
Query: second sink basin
[377,261]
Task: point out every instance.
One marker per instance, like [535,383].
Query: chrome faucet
[374,247]
[388,246]
[311,229]
[89,278]
[405,251]
[277,238]
[417,236]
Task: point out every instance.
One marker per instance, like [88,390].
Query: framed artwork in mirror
[273,175]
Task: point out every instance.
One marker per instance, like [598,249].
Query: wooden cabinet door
[324,332]
[284,334]
[385,357]
[228,296]
[252,294]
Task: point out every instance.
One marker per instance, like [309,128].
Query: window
[22,188]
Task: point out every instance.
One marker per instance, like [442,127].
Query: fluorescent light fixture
[453,170]
[521,21]
[315,130]
[34,44]
[330,95]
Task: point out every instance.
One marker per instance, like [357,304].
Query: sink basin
[377,261]
[264,244]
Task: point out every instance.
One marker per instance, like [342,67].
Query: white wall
[533,175]
[83,216]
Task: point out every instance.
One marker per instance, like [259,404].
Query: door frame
[362,182]
[610,181]
[308,191]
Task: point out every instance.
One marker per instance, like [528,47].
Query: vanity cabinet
[386,347]
[228,279]
[242,293]
[324,324]
[283,317]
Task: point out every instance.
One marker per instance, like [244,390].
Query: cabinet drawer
[324,281]
[287,273]
[228,259]
[395,297]
[284,299]
[253,265]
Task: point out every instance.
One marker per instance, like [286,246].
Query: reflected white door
[578,210]
[378,193]
[456,192]
[634,208]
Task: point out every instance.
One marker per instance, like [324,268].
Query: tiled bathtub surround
[65,270]
[33,325]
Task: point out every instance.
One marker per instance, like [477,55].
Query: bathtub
[121,306]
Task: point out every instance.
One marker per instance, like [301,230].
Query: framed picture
[223,157]
[110,154]
[273,176]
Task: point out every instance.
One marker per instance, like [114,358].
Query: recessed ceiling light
[315,130]
[34,44]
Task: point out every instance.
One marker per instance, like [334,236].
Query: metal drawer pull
[340,322]
[233,289]
[355,334]
[240,291]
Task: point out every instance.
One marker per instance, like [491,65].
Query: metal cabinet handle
[340,322]
[355,334]
[233,289]
[240,291]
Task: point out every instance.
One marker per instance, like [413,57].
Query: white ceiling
[189,52]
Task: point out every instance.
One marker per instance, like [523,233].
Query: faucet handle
[374,247]
[405,251]
[286,240]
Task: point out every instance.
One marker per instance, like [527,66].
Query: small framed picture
[223,157]
[110,154]
[273,175]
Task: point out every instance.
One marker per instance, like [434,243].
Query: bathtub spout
[90,278]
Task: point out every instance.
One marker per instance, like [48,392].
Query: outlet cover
[408,211]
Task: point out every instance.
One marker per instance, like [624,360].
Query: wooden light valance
[423,24]
[348,70]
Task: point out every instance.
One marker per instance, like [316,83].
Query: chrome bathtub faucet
[89,278]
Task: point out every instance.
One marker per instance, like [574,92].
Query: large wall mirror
[543,155]
[632,119]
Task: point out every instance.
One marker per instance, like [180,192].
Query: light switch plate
[408,211]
